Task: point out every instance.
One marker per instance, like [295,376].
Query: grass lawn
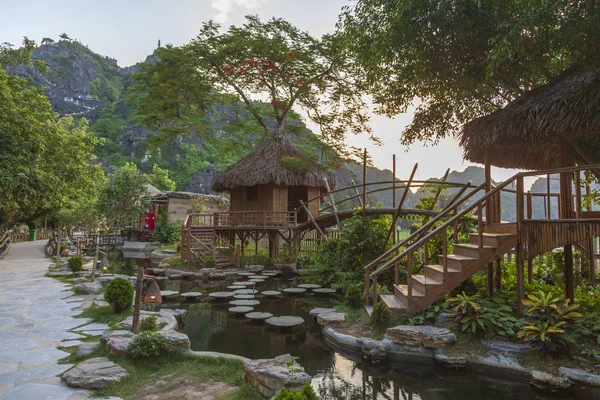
[105,315]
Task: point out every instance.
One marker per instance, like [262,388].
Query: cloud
[224,7]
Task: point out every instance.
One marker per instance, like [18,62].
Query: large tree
[272,61]
[44,160]
[465,58]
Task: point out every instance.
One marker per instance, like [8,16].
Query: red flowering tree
[260,62]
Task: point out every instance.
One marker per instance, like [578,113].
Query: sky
[129,30]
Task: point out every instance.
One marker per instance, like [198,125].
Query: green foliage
[381,316]
[211,262]
[258,259]
[418,49]
[549,321]
[148,323]
[588,297]
[270,59]
[46,165]
[306,393]
[287,254]
[119,294]
[159,178]
[147,344]
[166,232]
[120,197]
[353,296]
[75,264]
[340,262]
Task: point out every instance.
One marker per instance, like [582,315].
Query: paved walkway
[35,316]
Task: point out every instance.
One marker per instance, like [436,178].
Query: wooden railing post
[529,206]
[578,194]
[366,287]
[480,225]
[445,249]
[374,289]
[520,247]
[409,273]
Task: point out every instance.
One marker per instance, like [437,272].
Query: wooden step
[401,292]
[471,250]
[456,261]
[491,239]
[369,310]
[502,228]
[437,271]
[394,304]
[421,282]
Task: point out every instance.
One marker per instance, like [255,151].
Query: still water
[335,375]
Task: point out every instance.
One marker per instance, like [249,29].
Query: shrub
[306,393]
[549,321]
[166,232]
[259,259]
[148,323]
[147,344]
[353,296]
[119,294]
[472,316]
[75,264]
[381,316]
[211,262]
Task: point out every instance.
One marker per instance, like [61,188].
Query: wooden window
[252,193]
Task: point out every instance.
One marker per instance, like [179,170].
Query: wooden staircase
[467,259]
[205,243]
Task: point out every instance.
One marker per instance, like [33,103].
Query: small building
[179,204]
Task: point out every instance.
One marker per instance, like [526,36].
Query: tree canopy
[44,160]
[260,60]
[465,58]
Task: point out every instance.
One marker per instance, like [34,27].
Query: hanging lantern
[152,295]
[104,263]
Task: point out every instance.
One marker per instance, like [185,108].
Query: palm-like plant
[465,304]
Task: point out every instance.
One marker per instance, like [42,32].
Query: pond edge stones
[95,373]
[268,376]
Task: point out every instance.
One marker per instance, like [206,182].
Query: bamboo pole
[337,218]
[312,220]
[399,208]
[364,188]
[520,247]
[360,203]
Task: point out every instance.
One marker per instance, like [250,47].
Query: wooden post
[489,208]
[577,195]
[397,213]
[569,287]
[366,287]
[520,247]
[139,285]
[395,232]
[394,181]
[238,256]
[364,188]
[409,274]
[96,254]
[273,244]
[445,249]
[549,198]
[529,206]
[313,220]
[499,274]
[490,279]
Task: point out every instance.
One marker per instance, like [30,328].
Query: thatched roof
[525,133]
[264,166]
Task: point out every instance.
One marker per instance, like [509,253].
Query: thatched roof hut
[274,161]
[526,132]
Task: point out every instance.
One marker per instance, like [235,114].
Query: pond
[211,327]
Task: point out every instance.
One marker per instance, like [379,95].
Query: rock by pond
[117,342]
[580,376]
[331,318]
[85,349]
[88,288]
[319,310]
[425,336]
[254,268]
[268,376]
[546,381]
[175,341]
[94,374]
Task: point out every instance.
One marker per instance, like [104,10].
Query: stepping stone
[246,273]
[324,291]
[271,293]
[245,291]
[256,280]
[191,295]
[244,297]
[309,286]
[285,321]
[236,287]
[244,302]
[221,295]
[240,310]
[270,273]
[168,293]
[294,290]
[243,283]
[96,373]
[85,349]
[258,316]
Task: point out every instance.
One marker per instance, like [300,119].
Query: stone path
[35,316]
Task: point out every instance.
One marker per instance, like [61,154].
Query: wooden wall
[314,206]
[264,200]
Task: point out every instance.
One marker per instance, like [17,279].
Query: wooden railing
[5,243]
[245,219]
[491,200]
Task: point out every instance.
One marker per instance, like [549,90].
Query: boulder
[155,271]
[254,268]
[117,342]
[316,311]
[270,375]
[85,349]
[176,341]
[445,320]
[178,313]
[507,348]
[457,362]
[89,287]
[375,350]
[425,336]
[94,374]
[164,320]
[105,279]
[331,318]
[546,381]
[580,376]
